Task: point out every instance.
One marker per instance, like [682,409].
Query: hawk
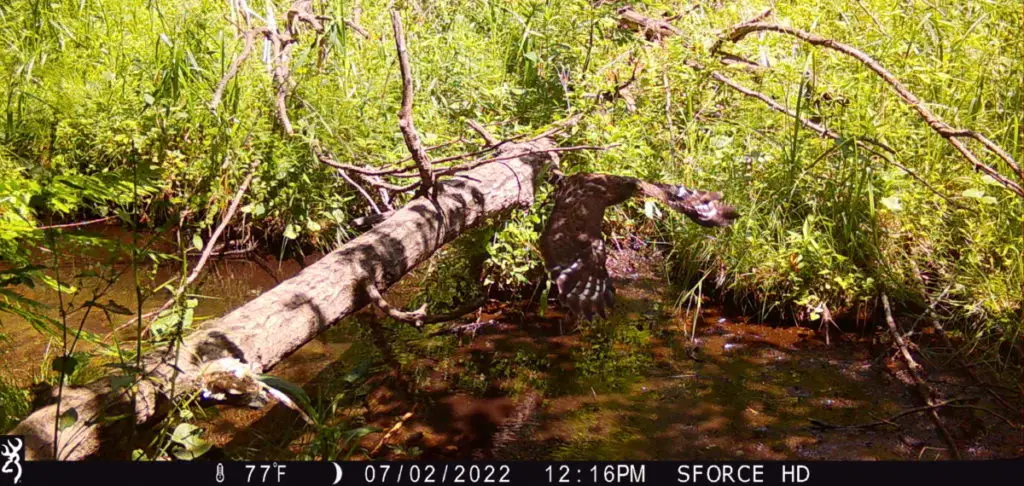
[572,243]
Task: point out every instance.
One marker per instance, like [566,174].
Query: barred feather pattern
[573,244]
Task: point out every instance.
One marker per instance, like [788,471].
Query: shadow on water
[641,385]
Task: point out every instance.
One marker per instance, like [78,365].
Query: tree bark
[216,358]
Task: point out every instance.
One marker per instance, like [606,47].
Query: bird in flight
[573,245]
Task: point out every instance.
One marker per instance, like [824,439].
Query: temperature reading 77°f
[264,473]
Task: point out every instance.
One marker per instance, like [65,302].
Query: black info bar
[196,473]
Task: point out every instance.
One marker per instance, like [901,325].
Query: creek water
[654,381]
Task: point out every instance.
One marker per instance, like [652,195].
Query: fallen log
[219,359]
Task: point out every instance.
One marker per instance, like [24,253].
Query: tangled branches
[950,133]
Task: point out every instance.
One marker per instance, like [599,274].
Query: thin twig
[377,182]
[475,164]
[653,29]
[394,428]
[236,63]
[953,135]
[76,225]
[369,200]
[483,132]
[405,121]
[281,44]
[326,158]
[356,27]
[228,215]
[941,331]
[917,373]
[211,243]
[861,142]
[890,420]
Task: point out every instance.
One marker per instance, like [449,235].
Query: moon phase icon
[337,473]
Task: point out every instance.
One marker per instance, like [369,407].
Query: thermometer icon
[220,472]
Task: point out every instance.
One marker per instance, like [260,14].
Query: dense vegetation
[107,113]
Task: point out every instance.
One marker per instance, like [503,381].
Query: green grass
[14,404]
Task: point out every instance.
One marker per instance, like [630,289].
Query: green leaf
[192,444]
[67,419]
[199,448]
[356,434]
[973,193]
[118,382]
[64,364]
[291,231]
[288,388]
[892,203]
[197,241]
[148,98]
[544,298]
[312,226]
[63,287]
[182,432]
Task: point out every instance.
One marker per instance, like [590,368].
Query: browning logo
[11,453]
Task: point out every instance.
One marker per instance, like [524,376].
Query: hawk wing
[703,207]
[573,245]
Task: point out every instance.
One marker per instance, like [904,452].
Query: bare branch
[366,222]
[948,132]
[825,132]
[281,45]
[892,419]
[211,243]
[387,435]
[250,39]
[917,373]
[757,18]
[303,11]
[353,24]
[478,163]
[620,91]
[653,29]
[405,122]
[480,130]
[228,215]
[77,224]
[415,317]
[820,130]
[369,200]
